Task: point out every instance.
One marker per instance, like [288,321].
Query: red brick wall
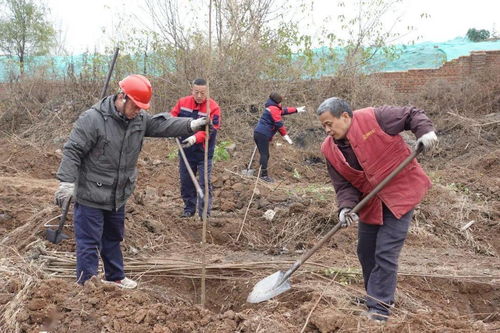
[456,70]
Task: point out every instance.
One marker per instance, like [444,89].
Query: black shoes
[187,214]
[374,316]
[267,179]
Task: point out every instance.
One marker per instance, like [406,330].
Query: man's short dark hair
[199,82]
[336,106]
[276,97]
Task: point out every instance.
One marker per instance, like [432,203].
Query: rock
[269,214]
[231,148]
[157,162]
[296,208]
[278,198]
[227,206]
[238,187]
[140,315]
[153,226]
[5,298]
[36,304]
[151,195]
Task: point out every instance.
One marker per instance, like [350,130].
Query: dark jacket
[101,153]
[270,122]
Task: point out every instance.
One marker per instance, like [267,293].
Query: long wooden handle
[188,167]
[356,209]
[251,158]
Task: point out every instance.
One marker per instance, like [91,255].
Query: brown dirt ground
[449,278]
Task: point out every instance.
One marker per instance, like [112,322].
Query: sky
[82,22]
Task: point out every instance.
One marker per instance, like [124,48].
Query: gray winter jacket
[101,153]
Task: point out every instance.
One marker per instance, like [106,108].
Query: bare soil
[449,278]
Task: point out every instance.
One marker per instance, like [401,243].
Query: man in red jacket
[361,149]
[195,106]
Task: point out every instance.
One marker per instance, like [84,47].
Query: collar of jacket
[106,107]
[271,102]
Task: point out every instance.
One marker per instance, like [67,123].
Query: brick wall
[456,70]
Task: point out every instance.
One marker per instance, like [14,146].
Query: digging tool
[110,71]
[277,283]
[56,236]
[248,171]
[188,167]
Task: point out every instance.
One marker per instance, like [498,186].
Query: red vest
[378,154]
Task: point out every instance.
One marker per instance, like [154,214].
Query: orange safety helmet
[138,89]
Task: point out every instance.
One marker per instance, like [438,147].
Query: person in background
[361,149]
[194,106]
[269,123]
[98,169]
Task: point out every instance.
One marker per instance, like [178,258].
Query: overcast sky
[82,22]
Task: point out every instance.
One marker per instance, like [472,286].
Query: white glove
[287,139]
[63,193]
[346,218]
[428,140]
[301,109]
[186,143]
[198,124]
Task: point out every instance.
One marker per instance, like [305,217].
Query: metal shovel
[56,236]
[188,167]
[277,283]
[248,171]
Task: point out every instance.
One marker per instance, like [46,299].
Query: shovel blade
[269,287]
[248,172]
[55,237]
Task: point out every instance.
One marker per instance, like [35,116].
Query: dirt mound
[449,277]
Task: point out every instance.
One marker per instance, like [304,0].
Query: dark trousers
[262,143]
[188,191]
[98,232]
[379,247]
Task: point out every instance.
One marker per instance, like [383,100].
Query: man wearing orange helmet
[98,169]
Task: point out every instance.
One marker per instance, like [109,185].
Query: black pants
[378,252]
[262,143]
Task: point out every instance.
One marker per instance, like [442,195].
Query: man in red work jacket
[195,106]
[361,149]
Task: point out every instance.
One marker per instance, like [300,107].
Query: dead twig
[249,203]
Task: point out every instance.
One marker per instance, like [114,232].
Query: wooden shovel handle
[356,209]
[190,171]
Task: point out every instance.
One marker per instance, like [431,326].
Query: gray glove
[428,140]
[199,124]
[186,143]
[346,218]
[301,109]
[63,193]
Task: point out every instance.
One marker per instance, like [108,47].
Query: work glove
[186,143]
[63,193]
[301,109]
[428,140]
[346,218]
[287,139]
[199,124]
